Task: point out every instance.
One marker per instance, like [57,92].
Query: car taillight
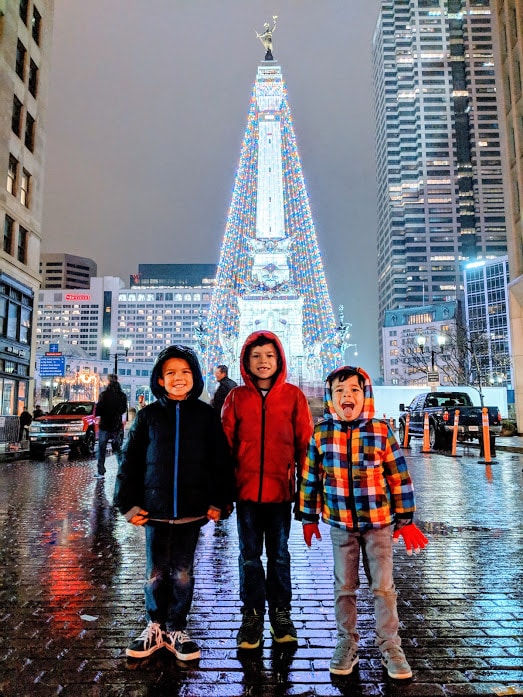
[445,415]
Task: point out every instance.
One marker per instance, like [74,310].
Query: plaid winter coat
[355,474]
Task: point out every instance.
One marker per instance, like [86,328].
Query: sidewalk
[71,576]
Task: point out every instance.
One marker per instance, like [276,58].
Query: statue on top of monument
[266,38]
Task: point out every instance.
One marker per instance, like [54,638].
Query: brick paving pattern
[71,574]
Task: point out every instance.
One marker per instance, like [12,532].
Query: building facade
[439,173]
[60,270]
[508,24]
[417,345]
[25,52]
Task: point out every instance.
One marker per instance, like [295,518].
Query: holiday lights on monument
[266,267]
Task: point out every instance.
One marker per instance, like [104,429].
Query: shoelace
[150,633]
[282,617]
[250,620]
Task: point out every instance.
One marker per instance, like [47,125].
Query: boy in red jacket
[268,425]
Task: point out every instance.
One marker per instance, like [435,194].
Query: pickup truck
[441,406]
[69,423]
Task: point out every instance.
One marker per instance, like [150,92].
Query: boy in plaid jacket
[356,477]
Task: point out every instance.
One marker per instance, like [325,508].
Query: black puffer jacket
[176,460]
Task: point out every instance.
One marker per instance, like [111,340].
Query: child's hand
[414,539]
[310,530]
[140,518]
[213,514]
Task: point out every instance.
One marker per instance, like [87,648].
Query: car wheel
[432,436]
[89,444]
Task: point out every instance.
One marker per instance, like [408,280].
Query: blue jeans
[376,549]
[103,438]
[271,521]
[169,584]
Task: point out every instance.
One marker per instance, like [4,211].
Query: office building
[487,321]
[25,52]
[440,188]
[66,271]
[508,24]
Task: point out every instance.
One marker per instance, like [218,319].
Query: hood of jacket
[177,351]
[281,373]
[368,410]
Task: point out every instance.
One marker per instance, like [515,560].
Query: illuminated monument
[270,274]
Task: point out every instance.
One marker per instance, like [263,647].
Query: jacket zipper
[351,483]
[262,450]
[176,455]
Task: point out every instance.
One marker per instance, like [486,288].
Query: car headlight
[76,426]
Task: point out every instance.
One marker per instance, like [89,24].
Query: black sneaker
[250,633]
[282,628]
[149,641]
[181,644]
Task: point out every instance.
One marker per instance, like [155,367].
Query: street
[71,593]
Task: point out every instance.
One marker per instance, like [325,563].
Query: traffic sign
[52,366]
[433,376]
[53,348]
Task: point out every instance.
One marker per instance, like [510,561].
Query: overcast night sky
[147,111]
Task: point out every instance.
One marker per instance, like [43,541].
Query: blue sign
[53,348]
[52,366]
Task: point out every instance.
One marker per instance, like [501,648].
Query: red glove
[414,539]
[310,530]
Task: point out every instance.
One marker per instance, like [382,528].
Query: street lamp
[441,343]
[126,343]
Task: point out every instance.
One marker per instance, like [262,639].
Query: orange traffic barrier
[426,438]
[455,430]
[486,436]
[406,436]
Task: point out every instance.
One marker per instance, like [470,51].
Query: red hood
[281,376]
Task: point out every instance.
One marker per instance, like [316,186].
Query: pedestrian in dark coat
[225,385]
[110,408]
[175,476]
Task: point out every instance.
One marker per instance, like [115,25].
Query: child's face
[263,364]
[347,398]
[177,379]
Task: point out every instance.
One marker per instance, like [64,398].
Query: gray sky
[147,111]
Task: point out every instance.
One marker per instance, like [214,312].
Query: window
[9,225]
[24,10]
[20,60]
[36,25]
[25,185]
[12,172]
[29,132]
[33,78]
[25,325]
[16,120]
[22,245]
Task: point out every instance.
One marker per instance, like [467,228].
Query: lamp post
[343,335]
[421,340]
[126,343]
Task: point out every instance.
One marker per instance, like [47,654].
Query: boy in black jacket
[175,475]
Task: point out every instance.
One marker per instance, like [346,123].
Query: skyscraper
[440,189]
[25,53]
[270,274]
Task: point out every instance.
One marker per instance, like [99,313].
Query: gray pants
[376,549]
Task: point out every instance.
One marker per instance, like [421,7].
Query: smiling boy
[356,477]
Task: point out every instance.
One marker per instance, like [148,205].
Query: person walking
[225,385]
[110,408]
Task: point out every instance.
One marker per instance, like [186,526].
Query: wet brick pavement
[71,594]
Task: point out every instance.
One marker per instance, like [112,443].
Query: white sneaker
[181,644]
[396,664]
[345,658]
[149,641]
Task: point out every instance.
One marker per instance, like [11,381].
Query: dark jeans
[272,521]
[116,443]
[169,569]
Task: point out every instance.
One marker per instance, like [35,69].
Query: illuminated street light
[126,343]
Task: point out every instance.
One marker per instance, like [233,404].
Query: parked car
[69,423]
[441,408]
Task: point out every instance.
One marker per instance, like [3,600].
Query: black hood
[187,354]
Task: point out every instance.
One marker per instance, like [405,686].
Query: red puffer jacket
[268,435]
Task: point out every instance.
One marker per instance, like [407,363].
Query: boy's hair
[262,341]
[343,374]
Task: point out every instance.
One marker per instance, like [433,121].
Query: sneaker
[149,641]
[396,664]
[345,657]
[250,633]
[282,628]
[181,644]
